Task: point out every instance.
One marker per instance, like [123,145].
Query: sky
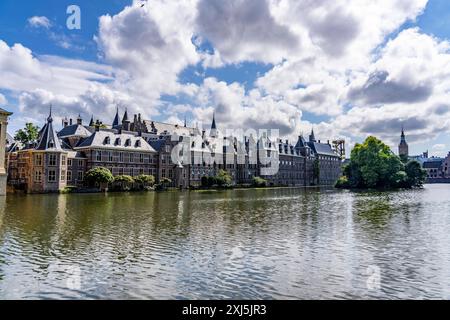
[347,68]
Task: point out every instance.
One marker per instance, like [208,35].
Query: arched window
[107,140]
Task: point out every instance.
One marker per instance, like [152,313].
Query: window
[121,157]
[63,160]
[69,175]
[51,176]
[107,140]
[167,149]
[128,143]
[52,160]
[38,160]
[163,173]
[99,156]
[80,163]
[69,162]
[118,142]
[63,175]
[110,156]
[138,144]
[141,158]
[37,176]
[80,176]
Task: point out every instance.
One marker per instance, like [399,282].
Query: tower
[312,137]
[3,125]
[403,149]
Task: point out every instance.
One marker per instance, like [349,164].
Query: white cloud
[3,100]
[39,22]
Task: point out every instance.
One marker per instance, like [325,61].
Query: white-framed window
[69,162]
[80,176]
[80,163]
[38,175]
[63,175]
[38,159]
[99,155]
[120,156]
[141,158]
[63,160]
[52,176]
[69,175]
[52,160]
[110,156]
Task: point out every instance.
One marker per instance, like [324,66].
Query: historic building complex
[180,153]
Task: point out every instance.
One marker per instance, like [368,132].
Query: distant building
[403,149]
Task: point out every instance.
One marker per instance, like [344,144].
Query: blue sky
[214,74]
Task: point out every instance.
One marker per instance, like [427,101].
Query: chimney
[328,142]
[139,118]
[70,121]
[65,122]
[97,125]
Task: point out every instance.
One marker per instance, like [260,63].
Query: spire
[125,116]
[79,120]
[213,133]
[47,137]
[92,123]
[312,137]
[50,119]
[185,122]
[116,118]
[403,138]
[213,125]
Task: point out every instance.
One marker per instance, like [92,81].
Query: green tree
[223,178]
[374,165]
[416,176]
[145,180]
[99,177]
[124,182]
[259,182]
[28,134]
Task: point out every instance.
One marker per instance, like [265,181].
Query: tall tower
[403,149]
[3,125]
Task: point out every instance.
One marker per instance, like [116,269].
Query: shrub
[123,182]
[145,180]
[259,182]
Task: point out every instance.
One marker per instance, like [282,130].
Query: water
[240,244]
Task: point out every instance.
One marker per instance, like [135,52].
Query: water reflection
[271,243]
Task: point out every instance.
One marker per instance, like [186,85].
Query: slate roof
[433,164]
[169,128]
[74,130]
[98,140]
[48,139]
[322,149]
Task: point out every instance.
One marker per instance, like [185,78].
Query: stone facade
[3,140]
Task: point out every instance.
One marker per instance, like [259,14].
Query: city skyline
[380,68]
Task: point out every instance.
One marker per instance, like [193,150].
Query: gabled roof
[74,130]
[115,141]
[433,164]
[162,127]
[322,149]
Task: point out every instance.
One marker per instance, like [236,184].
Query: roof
[116,141]
[157,144]
[48,139]
[323,149]
[74,130]
[162,127]
[9,139]
[432,164]
[4,112]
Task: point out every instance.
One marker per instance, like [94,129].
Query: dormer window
[138,144]
[51,144]
[193,144]
[128,143]
[118,142]
[107,140]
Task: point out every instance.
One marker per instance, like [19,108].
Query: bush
[259,182]
[123,182]
[99,177]
[223,178]
[342,182]
[144,181]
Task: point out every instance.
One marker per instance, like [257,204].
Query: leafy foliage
[145,180]
[28,134]
[374,165]
[259,182]
[222,179]
[98,176]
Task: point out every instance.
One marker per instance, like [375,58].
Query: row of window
[52,175]
[113,156]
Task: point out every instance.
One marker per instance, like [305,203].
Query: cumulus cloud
[39,22]
[245,30]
